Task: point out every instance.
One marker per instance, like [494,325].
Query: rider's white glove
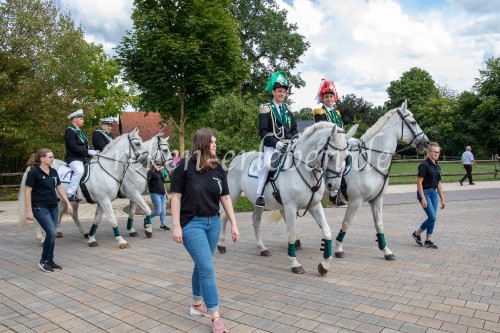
[92,152]
[279,145]
[352,142]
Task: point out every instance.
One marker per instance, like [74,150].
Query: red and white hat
[326,87]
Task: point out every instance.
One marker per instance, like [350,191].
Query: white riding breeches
[78,170]
[266,166]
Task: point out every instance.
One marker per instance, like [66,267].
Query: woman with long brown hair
[198,186]
[42,182]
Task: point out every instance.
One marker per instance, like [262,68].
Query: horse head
[137,150]
[333,154]
[160,152]
[411,133]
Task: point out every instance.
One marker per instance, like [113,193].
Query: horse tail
[274,217]
[21,201]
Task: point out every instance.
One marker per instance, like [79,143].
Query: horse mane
[372,131]
[315,127]
[114,142]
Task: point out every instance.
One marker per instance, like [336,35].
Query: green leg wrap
[116,231]
[326,247]
[147,220]
[130,223]
[340,236]
[93,229]
[291,250]
[381,241]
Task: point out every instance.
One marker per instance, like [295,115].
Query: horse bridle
[159,150]
[322,170]
[363,148]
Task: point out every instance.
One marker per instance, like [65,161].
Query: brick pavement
[146,287]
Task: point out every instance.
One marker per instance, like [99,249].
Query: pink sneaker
[218,326]
[200,310]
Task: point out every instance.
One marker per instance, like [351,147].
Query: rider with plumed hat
[102,136]
[327,94]
[276,124]
[77,151]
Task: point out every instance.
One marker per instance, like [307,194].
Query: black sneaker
[74,198]
[461,183]
[472,183]
[417,238]
[164,227]
[338,202]
[54,265]
[430,245]
[260,202]
[45,266]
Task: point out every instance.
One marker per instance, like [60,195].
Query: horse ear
[334,130]
[351,132]
[404,105]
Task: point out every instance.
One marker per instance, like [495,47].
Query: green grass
[448,169]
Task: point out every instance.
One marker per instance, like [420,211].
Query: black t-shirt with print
[201,190]
[430,172]
[44,187]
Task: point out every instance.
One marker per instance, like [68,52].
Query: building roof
[149,124]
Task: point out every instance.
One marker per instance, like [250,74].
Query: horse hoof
[222,249]
[93,244]
[135,234]
[265,253]
[390,257]
[321,270]
[149,234]
[123,245]
[339,255]
[298,270]
[59,234]
[298,245]
[86,236]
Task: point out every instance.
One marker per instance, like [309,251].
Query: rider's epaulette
[264,108]
[319,111]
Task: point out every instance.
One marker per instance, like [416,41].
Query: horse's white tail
[274,217]
[21,201]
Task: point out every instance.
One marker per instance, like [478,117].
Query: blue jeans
[431,196]
[200,238]
[47,218]
[160,203]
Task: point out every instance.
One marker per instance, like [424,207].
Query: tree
[269,43]
[304,114]
[416,86]
[355,110]
[181,54]
[48,70]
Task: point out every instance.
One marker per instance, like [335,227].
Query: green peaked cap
[277,80]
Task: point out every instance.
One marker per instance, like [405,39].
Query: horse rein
[362,148]
[322,171]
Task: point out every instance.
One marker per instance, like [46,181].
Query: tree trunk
[182,122]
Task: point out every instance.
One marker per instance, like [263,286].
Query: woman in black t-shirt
[428,189]
[41,202]
[198,185]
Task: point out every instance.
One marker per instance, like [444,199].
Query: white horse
[106,170]
[367,179]
[133,186]
[314,159]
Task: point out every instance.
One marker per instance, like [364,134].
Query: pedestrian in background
[158,193]
[467,162]
[428,189]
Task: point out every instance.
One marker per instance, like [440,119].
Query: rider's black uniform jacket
[100,140]
[76,148]
[269,125]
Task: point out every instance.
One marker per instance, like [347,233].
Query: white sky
[362,45]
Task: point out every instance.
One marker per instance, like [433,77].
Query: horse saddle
[65,173]
[277,161]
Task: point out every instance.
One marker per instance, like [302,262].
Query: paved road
[146,288]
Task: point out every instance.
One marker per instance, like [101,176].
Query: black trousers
[468,174]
